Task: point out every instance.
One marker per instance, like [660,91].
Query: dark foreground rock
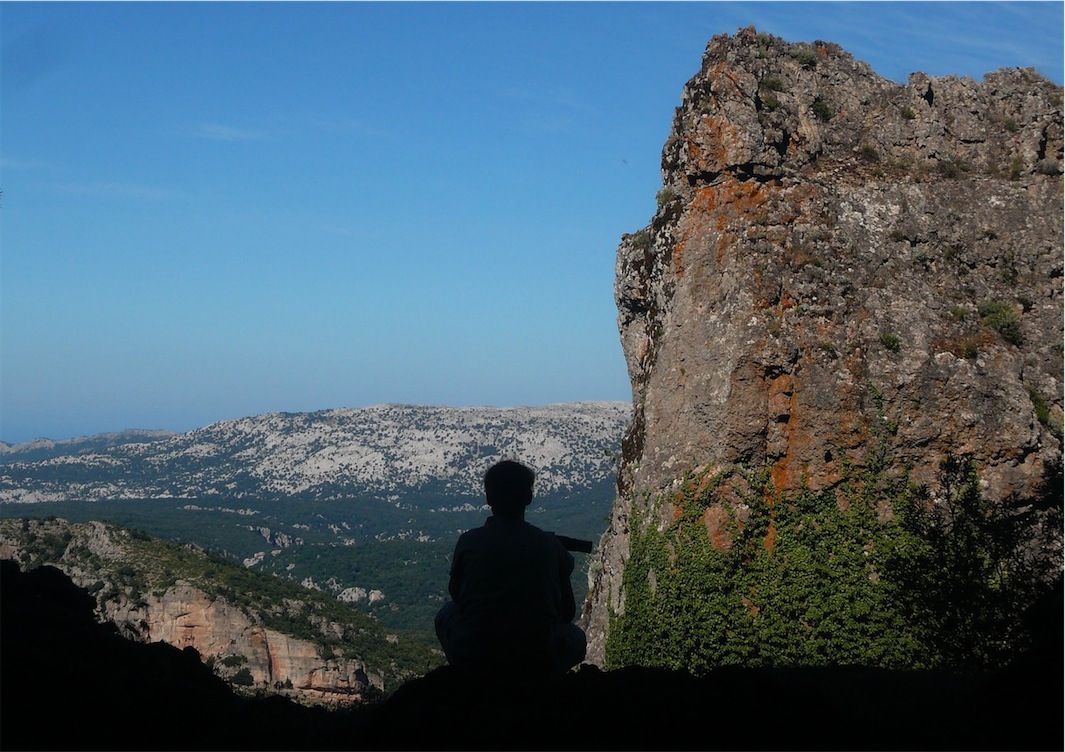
[67,682]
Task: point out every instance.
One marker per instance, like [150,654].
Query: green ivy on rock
[868,573]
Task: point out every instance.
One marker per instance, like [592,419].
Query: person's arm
[454,582]
[569,603]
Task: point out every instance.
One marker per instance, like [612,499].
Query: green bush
[1003,318]
[772,83]
[798,587]
[641,240]
[964,578]
[1047,166]
[822,110]
[807,58]
[665,196]
[1042,412]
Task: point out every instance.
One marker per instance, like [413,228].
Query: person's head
[508,487]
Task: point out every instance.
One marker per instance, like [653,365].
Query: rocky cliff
[154,592]
[185,616]
[842,270]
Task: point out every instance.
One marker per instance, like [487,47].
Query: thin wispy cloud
[551,109]
[561,97]
[17,163]
[38,52]
[222,132]
[344,126]
[941,39]
[115,190]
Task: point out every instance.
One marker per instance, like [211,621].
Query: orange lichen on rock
[696,154]
[780,472]
[723,72]
[678,259]
[705,482]
[770,540]
[733,204]
[704,200]
[724,137]
[780,396]
[716,519]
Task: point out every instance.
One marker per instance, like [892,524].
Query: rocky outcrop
[842,270]
[224,635]
[234,640]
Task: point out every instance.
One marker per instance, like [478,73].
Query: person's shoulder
[533,530]
[472,534]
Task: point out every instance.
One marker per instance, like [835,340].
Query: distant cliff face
[185,616]
[841,268]
[139,590]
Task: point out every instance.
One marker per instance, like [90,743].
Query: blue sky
[216,210]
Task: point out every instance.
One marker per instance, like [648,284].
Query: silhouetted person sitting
[512,602]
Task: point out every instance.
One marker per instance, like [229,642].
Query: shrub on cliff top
[805,57]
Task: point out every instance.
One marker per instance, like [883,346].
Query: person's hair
[508,486]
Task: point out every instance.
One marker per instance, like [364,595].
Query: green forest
[401,549]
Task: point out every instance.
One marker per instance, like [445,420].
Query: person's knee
[443,623]
[569,647]
[579,640]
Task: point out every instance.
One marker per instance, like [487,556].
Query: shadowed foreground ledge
[67,682]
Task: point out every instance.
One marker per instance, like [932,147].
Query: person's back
[510,584]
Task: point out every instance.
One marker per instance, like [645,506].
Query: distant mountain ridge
[381,450]
[44,448]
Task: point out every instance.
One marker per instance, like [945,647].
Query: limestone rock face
[841,267]
[98,557]
[185,616]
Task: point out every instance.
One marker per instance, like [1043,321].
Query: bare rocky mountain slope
[385,451]
[841,270]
